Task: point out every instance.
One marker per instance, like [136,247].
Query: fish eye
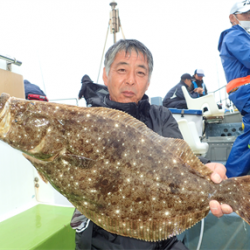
[18,120]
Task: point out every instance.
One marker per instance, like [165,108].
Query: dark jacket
[175,97]
[32,89]
[160,120]
[85,79]
[197,83]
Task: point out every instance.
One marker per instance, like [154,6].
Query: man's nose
[131,78]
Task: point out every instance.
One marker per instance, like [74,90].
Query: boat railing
[9,61]
[221,97]
[65,101]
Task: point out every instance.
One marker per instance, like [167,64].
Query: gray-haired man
[128,67]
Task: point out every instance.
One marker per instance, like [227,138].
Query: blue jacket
[175,97]
[197,83]
[234,47]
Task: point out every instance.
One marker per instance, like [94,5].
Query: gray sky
[59,41]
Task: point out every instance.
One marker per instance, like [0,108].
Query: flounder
[114,170]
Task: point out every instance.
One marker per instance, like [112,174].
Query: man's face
[188,82]
[128,77]
[235,18]
[198,77]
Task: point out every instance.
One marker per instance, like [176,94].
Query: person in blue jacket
[234,47]
[175,97]
[197,82]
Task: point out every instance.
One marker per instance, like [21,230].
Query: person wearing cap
[234,48]
[85,79]
[197,83]
[175,97]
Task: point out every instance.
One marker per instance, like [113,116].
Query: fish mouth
[3,100]
[4,114]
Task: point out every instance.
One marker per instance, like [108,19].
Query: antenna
[115,25]
[114,17]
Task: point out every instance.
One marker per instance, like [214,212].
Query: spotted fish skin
[117,172]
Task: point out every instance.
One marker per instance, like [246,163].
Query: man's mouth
[128,93]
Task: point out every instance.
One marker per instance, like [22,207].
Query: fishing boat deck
[40,227]
[227,232]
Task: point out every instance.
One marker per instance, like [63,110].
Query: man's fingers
[218,210]
[215,208]
[216,178]
[219,169]
[219,174]
[226,209]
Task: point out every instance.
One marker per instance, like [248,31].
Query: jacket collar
[183,83]
[197,81]
[131,108]
[97,95]
[225,32]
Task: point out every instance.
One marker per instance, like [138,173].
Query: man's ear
[105,77]
[148,85]
[233,19]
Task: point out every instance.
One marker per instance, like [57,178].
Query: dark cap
[186,76]
[86,78]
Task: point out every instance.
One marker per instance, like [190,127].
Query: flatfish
[114,170]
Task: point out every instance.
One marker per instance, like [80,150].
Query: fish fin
[78,161]
[241,200]
[182,150]
[36,163]
[42,177]
[149,230]
[39,147]
[120,116]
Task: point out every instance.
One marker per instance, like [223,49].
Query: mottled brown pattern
[116,171]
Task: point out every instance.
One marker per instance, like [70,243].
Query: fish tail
[240,202]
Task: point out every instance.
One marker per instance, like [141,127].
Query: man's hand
[199,90]
[219,174]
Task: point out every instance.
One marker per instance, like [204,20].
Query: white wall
[17,185]
[16,181]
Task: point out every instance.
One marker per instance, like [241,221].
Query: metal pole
[121,28]
[103,52]
[67,99]
[219,89]
[218,81]
[44,88]
[11,60]
[113,18]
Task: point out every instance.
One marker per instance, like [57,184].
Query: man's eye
[121,70]
[141,73]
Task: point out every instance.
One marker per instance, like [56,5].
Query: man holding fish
[127,73]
